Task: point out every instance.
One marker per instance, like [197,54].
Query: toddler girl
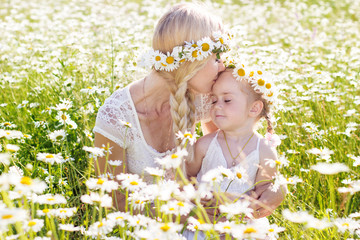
[240,98]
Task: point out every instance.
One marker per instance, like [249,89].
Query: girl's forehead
[226,84]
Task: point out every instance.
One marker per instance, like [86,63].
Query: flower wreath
[190,51]
[260,80]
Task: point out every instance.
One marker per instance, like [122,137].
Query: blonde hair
[254,95]
[183,22]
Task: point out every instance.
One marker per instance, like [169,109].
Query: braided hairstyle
[183,22]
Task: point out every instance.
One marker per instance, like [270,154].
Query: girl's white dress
[120,107]
[214,158]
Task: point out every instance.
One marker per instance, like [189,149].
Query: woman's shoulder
[118,97]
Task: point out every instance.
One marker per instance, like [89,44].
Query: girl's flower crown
[260,80]
[190,51]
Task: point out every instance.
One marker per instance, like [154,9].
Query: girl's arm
[267,200]
[201,146]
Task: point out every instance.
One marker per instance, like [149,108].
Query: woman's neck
[153,95]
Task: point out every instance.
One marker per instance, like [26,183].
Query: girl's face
[230,107]
[204,79]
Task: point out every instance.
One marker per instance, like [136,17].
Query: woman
[164,102]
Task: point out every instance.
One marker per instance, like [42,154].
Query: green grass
[311,47]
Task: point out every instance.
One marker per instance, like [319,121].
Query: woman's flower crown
[190,51]
[258,79]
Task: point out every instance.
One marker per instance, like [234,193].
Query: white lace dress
[139,155]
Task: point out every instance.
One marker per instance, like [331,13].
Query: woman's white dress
[120,107]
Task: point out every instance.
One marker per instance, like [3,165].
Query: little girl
[240,98]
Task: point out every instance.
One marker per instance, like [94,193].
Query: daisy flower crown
[190,51]
[261,81]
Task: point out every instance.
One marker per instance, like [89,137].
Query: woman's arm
[267,200]
[117,153]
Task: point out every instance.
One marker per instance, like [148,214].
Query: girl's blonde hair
[183,22]
[246,87]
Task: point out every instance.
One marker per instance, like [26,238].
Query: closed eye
[227,100]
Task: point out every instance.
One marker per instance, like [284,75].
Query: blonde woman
[162,103]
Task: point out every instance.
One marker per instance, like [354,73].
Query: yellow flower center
[169,60]
[278,162]
[181,204]
[89,87]
[100,181]
[239,175]
[268,85]
[182,60]
[188,135]
[100,225]
[134,183]
[49,156]
[271,230]
[7,133]
[249,230]
[251,74]
[163,65]
[270,94]
[45,210]
[119,217]
[31,223]
[227,227]
[194,45]
[259,72]
[174,156]
[63,211]
[50,199]
[241,72]
[7,216]
[345,224]
[205,47]
[194,54]
[63,117]
[261,82]
[221,40]
[172,209]
[7,124]
[157,58]
[26,181]
[165,227]
[25,135]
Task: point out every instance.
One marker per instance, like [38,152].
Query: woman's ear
[256,108]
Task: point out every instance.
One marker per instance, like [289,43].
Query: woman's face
[204,79]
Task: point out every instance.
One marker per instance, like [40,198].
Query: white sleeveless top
[139,155]
[214,158]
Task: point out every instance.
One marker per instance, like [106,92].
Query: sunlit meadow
[59,61]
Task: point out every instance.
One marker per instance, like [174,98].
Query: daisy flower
[34,225]
[240,174]
[10,216]
[187,137]
[12,148]
[115,163]
[198,224]
[5,158]
[50,158]
[99,229]
[176,207]
[206,45]
[236,208]
[95,151]
[104,200]
[63,212]
[157,59]
[102,183]
[330,168]
[126,124]
[50,199]
[26,184]
[69,227]
[170,62]
[172,161]
[57,135]
[63,117]
[132,182]
[239,72]
[155,172]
